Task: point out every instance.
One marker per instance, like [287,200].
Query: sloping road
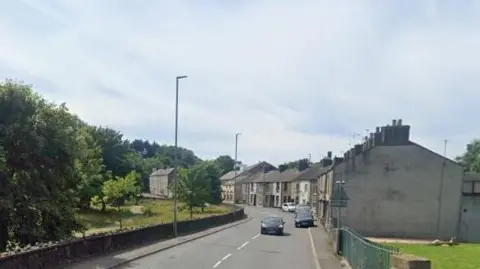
[239,247]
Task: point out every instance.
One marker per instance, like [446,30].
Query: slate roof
[313,172]
[230,175]
[289,175]
[162,172]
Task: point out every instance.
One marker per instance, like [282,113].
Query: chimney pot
[329,154]
[394,122]
[399,122]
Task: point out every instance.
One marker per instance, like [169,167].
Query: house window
[305,187]
[277,187]
[467,187]
[284,199]
[285,186]
[297,187]
[476,187]
[276,200]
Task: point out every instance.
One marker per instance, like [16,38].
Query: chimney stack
[394,122]
[329,154]
[399,122]
[377,130]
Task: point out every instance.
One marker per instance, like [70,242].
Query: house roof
[162,172]
[289,175]
[312,172]
[271,176]
[249,177]
[230,175]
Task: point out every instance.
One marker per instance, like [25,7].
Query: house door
[254,199]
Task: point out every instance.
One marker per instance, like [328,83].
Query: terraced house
[398,188]
[242,191]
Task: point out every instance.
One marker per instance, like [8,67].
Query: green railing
[362,253]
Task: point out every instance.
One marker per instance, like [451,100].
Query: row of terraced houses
[395,188]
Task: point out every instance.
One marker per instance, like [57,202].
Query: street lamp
[175,159]
[235,173]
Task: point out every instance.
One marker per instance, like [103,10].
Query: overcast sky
[294,77]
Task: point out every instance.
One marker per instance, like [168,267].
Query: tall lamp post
[175,159]
[235,173]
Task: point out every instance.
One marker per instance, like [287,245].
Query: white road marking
[242,246]
[217,264]
[255,237]
[226,256]
[314,251]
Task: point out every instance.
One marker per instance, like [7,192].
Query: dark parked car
[272,225]
[303,209]
[304,220]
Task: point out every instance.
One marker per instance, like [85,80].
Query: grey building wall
[401,191]
[469,229]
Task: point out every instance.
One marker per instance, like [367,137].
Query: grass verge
[147,212]
[462,256]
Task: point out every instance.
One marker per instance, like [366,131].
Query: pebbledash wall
[64,253]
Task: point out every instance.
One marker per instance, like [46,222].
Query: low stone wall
[408,261]
[54,256]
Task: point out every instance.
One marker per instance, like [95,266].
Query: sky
[295,78]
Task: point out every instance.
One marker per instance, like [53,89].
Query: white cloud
[295,78]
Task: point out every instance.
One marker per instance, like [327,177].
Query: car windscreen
[272,220]
[304,216]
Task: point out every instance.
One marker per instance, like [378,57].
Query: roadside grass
[146,212]
[462,256]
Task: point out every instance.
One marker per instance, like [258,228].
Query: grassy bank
[463,256]
[147,212]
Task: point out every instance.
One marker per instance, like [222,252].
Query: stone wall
[55,255]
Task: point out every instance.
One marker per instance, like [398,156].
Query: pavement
[238,247]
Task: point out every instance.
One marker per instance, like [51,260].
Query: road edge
[314,250]
[200,235]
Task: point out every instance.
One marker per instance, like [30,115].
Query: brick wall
[80,249]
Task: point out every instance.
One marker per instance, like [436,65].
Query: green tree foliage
[117,191]
[38,183]
[212,174]
[51,162]
[300,164]
[192,187]
[470,160]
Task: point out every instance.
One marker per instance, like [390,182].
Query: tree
[114,150]
[51,163]
[119,190]
[300,165]
[225,164]
[193,187]
[38,141]
[89,168]
[212,174]
[470,160]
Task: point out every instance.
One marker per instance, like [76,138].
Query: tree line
[53,163]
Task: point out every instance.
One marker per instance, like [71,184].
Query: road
[239,247]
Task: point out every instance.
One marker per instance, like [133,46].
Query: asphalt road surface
[239,247]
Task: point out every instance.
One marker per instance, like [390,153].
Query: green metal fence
[362,253]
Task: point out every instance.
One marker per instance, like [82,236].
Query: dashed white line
[255,237]
[243,245]
[226,256]
[217,264]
